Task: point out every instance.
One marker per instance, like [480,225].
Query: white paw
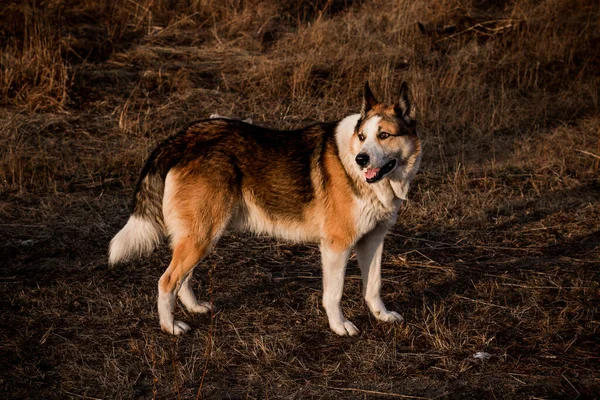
[176,328]
[200,308]
[388,316]
[344,328]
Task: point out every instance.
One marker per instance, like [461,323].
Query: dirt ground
[496,251]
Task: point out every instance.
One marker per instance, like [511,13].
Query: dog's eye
[361,137]
[384,135]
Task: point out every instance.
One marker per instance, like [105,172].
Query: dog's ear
[404,107]
[369,101]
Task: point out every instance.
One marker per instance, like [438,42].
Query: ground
[496,251]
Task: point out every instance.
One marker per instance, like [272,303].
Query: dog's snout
[362,159]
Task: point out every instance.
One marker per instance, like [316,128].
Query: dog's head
[385,138]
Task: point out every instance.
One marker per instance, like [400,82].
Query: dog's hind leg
[188,298]
[196,213]
[368,252]
[186,254]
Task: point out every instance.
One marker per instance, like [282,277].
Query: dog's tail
[145,228]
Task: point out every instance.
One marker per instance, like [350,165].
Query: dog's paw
[389,316]
[200,308]
[177,328]
[344,328]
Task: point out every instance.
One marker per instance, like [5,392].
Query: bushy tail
[145,228]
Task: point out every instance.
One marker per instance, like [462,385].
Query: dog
[337,184]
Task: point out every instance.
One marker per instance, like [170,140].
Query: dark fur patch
[147,201]
[273,165]
[389,114]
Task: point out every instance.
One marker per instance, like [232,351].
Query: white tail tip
[137,238]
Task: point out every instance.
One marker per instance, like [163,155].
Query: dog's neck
[392,189]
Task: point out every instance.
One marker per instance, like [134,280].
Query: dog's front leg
[334,269]
[368,252]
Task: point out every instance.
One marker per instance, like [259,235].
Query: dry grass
[497,251]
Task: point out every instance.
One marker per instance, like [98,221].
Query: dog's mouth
[373,175]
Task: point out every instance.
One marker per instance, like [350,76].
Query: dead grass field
[497,251]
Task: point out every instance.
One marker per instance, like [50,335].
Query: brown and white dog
[337,184]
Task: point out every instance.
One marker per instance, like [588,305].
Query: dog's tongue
[371,173]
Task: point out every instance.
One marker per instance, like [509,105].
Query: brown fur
[199,209]
[339,227]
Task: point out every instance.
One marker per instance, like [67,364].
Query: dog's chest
[371,212]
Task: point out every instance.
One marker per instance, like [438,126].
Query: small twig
[45,337]
[569,382]
[480,301]
[545,287]
[589,153]
[422,255]
[430,355]
[482,25]
[517,379]
[397,395]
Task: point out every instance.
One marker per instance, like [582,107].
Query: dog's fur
[304,185]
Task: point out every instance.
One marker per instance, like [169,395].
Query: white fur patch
[217,115]
[166,307]
[371,128]
[334,268]
[371,146]
[400,189]
[343,133]
[345,128]
[137,238]
[256,221]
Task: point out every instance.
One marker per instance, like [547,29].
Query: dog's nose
[362,159]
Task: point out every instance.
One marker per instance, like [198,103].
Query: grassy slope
[497,251]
